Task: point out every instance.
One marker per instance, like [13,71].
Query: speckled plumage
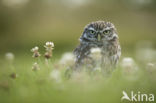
[99,34]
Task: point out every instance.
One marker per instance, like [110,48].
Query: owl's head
[99,32]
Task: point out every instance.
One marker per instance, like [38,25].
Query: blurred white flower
[127,62]
[129,68]
[145,52]
[150,65]
[49,47]
[35,67]
[9,56]
[151,68]
[35,49]
[56,75]
[35,52]
[67,58]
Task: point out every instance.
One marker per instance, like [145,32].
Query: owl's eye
[92,32]
[106,32]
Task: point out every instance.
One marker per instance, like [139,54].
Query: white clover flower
[67,58]
[49,44]
[127,62]
[145,51]
[49,47]
[150,67]
[129,68]
[35,67]
[36,48]
[35,52]
[56,75]
[9,56]
[151,70]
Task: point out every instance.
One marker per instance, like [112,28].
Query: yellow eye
[92,32]
[106,32]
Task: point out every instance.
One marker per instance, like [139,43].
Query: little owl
[101,35]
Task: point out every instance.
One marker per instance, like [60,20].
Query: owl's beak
[99,37]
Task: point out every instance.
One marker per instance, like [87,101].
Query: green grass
[37,86]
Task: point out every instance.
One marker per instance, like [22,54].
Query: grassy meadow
[29,78]
[20,82]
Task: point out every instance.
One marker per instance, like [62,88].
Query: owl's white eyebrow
[108,28]
[91,29]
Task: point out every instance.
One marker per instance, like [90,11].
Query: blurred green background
[27,23]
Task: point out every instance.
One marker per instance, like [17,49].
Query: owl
[102,35]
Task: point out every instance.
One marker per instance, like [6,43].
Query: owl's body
[99,34]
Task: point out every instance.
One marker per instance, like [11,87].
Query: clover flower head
[151,68]
[35,67]
[145,51]
[9,56]
[35,52]
[130,69]
[129,66]
[35,49]
[127,62]
[150,65]
[49,45]
[67,59]
[56,75]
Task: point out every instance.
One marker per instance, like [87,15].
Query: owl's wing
[77,50]
[81,52]
[116,56]
[77,53]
